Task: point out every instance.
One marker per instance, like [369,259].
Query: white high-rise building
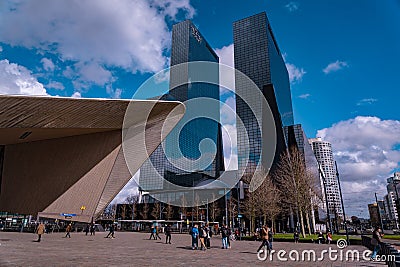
[323,154]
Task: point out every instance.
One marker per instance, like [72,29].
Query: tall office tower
[323,154]
[257,55]
[183,151]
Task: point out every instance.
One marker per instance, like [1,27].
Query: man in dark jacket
[168,234]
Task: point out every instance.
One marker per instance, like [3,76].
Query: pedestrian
[270,237]
[229,237]
[224,236]
[168,234]
[92,229]
[296,237]
[376,242]
[329,237]
[153,233]
[111,231]
[208,237]
[321,238]
[68,230]
[157,231]
[195,237]
[40,231]
[203,236]
[264,236]
[87,229]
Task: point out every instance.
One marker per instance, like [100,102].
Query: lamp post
[326,196]
[341,201]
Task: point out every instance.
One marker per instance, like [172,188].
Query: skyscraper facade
[257,55]
[323,153]
[183,151]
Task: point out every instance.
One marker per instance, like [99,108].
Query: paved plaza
[134,249]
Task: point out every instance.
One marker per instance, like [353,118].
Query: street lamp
[326,195]
[341,200]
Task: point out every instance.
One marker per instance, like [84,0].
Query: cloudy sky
[341,56]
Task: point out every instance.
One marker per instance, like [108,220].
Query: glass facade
[196,142]
[257,55]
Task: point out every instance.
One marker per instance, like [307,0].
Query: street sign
[68,214]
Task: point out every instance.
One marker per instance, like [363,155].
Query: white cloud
[131,34]
[226,55]
[47,64]
[226,75]
[114,93]
[93,72]
[229,137]
[292,6]
[55,85]
[335,66]
[304,96]
[16,79]
[364,148]
[295,74]
[130,189]
[76,95]
[366,101]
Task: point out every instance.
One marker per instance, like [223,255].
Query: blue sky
[342,57]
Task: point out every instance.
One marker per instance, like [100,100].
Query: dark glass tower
[257,55]
[183,151]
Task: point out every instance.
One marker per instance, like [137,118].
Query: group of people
[90,228]
[202,233]
[154,233]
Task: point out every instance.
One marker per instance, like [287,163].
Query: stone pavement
[134,249]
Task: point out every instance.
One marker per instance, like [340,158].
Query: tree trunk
[308,223]
[303,231]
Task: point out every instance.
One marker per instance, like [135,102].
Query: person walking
[195,237]
[224,236]
[111,231]
[68,230]
[321,238]
[153,233]
[296,237]
[264,237]
[168,234]
[87,229]
[208,237]
[376,242]
[40,231]
[329,237]
[92,229]
[270,237]
[157,236]
[203,236]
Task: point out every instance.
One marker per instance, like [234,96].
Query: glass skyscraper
[257,55]
[183,151]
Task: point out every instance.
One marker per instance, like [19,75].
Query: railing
[386,249]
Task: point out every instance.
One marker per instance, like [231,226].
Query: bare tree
[183,207]
[296,184]
[155,212]
[196,208]
[214,209]
[109,212]
[269,200]
[145,211]
[169,211]
[133,201]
